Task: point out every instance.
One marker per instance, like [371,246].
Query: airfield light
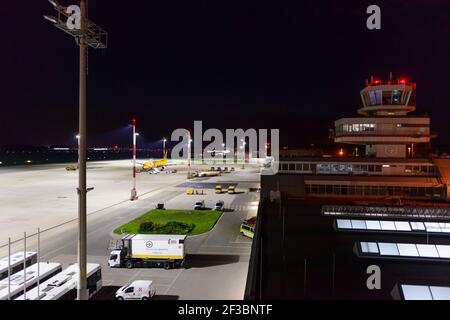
[52,19]
[164,146]
[54,3]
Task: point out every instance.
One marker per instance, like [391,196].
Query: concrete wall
[391,151]
[290,186]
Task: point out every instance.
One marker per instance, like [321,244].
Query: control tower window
[393,97]
[412,100]
[397,97]
[375,97]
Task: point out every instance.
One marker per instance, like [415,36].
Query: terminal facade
[390,155]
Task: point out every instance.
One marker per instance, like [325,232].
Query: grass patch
[189,222]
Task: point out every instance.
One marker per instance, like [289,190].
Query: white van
[137,290]
[199,205]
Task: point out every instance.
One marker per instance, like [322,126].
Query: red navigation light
[133,121]
[402,81]
[377,81]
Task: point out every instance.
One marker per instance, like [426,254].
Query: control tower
[384,127]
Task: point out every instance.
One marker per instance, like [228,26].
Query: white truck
[147,250]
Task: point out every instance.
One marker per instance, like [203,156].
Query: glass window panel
[440,293]
[427,251]
[373,225]
[407,249]
[359,224]
[417,226]
[369,247]
[387,225]
[416,292]
[402,226]
[444,251]
[343,224]
[445,227]
[432,227]
[388,249]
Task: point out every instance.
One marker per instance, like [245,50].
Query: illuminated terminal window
[404,250]
[357,127]
[396,226]
[374,190]
[421,292]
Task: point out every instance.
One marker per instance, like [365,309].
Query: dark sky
[296,66]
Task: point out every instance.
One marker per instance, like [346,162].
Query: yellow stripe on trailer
[154,256]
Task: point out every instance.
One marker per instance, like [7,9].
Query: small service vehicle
[137,290]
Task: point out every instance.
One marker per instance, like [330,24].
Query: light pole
[134,195]
[189,155]
[164,146]
[73,21]
[78,147]
[243,151]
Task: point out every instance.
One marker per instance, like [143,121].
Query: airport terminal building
[323,220]
[390,155]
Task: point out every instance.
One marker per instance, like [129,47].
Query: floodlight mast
[82,291]
[91,35]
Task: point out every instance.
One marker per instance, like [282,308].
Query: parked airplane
[156,164]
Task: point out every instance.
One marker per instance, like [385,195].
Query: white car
[219,205]
[137,290]
[199,205]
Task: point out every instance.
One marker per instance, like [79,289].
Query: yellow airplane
[154,164]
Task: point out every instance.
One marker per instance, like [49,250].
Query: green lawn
[204,220]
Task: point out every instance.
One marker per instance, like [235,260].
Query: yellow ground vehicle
[232,189]
[71,168]
[247,229]
[218,189]
[190,192]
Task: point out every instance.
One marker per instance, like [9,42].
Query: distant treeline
[24,155]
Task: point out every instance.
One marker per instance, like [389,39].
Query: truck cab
[115,260]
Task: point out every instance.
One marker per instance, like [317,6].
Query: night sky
[296,66]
